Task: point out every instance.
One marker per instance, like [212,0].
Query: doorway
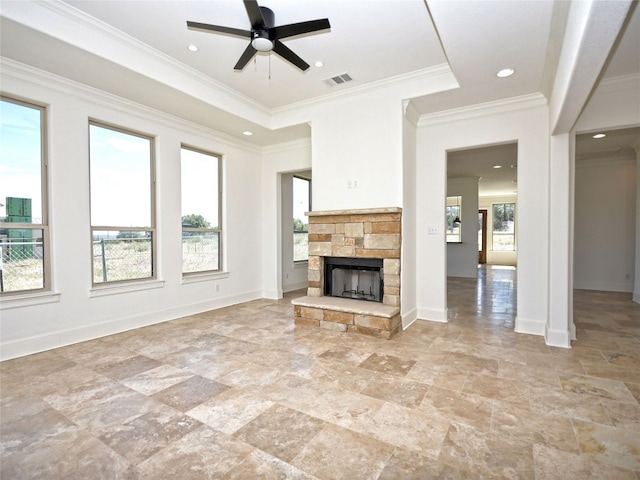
[485,282]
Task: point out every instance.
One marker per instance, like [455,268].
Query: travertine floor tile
[553,464]
[338,453]
[491,455]
[280,431]
[612,445]
[203,453]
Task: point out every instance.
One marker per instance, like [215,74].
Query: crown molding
[28,74]
[420,77]
[411,112]
[617,84]
[287,146]
[485,109]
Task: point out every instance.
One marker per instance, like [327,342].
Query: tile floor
[241,393]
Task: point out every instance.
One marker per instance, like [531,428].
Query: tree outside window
[301,204]
[504,227]
[24,233]
[201,217]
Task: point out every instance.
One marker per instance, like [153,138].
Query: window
[24,233]
[122,205]
[201,217]
[504,227]
[453,213]
[301,204]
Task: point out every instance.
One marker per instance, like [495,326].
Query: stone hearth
[370,233]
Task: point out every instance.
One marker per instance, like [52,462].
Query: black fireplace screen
[357,278]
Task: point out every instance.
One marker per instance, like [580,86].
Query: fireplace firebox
[356,278]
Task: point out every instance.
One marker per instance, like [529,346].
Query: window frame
[218,229]
[493,231]
[305,260]
[44,183]
[152,193]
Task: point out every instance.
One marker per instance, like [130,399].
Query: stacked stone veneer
[371,233]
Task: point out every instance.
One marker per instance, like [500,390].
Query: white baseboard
[62,338]
[409,318]
[530,327]
[558,338]
[626,287]
[433,315]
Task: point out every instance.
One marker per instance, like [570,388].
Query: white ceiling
[138,50]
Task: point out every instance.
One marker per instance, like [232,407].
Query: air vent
[338,79]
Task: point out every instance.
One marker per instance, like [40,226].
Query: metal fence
[200,253]
[21,265]
[122,259]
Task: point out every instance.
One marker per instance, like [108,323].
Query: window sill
[203,277]
[104,290]
[28,300]
[301,264]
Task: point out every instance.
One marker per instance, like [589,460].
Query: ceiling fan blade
[284,31]
[245,57]
[284,51]
[254,13]
[205,27]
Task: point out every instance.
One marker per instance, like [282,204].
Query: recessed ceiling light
[599,135]
[319,63]
[497,166]
[247,133]
[192,48]
[505,72]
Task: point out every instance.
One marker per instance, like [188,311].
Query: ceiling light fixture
[505,72]
[247,133]
[319,63]
[497,166]
[261,41]
[599,135]
[192,48]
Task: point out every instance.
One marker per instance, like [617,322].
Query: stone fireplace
[354,272]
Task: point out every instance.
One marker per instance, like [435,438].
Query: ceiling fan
[264,36]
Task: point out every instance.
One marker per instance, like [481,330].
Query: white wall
[614,104]
[464,129]
[496,257]
[74,311]
[357,153]
[408,310]
[462,258]
[605,224]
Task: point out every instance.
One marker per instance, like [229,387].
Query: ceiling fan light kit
[264,36]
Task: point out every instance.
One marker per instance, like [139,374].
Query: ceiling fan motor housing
[261,41]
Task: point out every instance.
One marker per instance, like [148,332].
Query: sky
[20,156]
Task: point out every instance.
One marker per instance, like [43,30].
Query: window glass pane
[201,236]
[122,255]
[120,178]
[301,204]
[23,265]
[20,163]
[21,259]
[453,214]
[199,189]
[121,205]
[503,227]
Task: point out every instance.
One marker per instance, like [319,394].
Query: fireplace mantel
[357,233]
